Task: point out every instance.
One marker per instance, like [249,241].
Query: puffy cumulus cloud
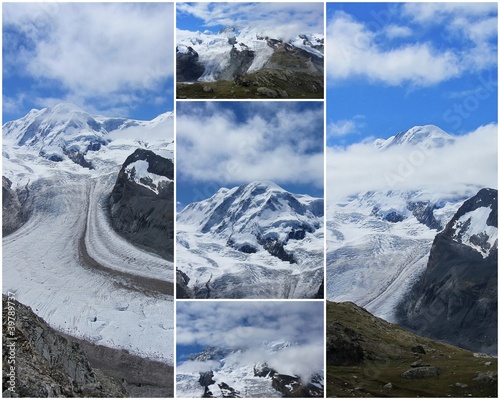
[353,51]
[284,20]
[465,42]
[265,141]
[91,50]
[462,167]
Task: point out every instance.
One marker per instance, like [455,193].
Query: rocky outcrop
[41,363]
[188,66]
[420,372]
[239,62]
[455,299]
[292,386]
[12,211]
[142,210]
[181,283]
[292,58]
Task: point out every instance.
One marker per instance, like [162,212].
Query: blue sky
[225,144]
[391,66]
[281,19]
[114,59]
[238,324]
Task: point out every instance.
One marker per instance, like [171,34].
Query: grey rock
[267,92]
[420,372]
[488,377]
[50,365]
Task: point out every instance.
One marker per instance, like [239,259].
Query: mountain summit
[428,136]
[66,131]
[258,232]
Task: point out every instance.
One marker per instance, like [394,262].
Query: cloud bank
[462,167]
[281,142]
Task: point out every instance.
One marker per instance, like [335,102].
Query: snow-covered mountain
[378,242]
[65,131]
[209,56]
[426,136]
[255,240]
[222,372]
[65,260]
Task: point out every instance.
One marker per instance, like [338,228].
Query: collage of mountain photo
[234,199]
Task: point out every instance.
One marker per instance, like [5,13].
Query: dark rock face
[263,371]
[343,346]
[142,211]
[189,68]
[227,391]
[276,249]
[206,378]
[46,363]
[182,289]
[424,212]
[455,299]
[240,61]
[292,386]
[12,210]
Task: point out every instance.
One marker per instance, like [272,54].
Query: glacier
[66,262]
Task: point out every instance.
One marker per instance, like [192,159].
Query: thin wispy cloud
[260,141]
[96,55]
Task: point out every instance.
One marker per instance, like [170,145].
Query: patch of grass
[389,351]
[286,84]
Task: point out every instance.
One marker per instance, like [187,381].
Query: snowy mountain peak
[254,211]
[476,223]
[428,136]
[65,131]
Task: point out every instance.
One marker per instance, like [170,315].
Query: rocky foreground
[369,357]
[38,361]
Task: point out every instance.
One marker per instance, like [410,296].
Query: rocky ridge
[455,299]
[142,202]
[47,364]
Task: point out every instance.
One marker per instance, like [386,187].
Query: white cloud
[247,326]
[353,52]
[276,142]
[284,20]
[345,127]
[92,50]
[466,43]
[436,13]
[469,163]
[396,31]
